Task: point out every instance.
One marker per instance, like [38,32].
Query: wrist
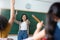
[12,4]
[38,29]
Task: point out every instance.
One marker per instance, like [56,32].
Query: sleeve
[28,22]
[18,22]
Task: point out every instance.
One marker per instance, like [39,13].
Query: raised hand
[39,25]
[12,2]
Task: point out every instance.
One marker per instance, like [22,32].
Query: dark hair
[3,22]
[26,17]
[51,24]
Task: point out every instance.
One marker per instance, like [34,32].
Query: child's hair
[26,17]
[51,24]
[3,22]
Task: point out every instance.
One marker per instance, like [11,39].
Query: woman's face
[56,18]
[24,17]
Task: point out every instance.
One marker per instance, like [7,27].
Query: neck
[24,20]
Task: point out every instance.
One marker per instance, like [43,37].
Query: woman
[23,27]
[5,25]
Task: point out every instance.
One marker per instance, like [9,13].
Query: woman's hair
[22,16]
[3,22]
[51,24]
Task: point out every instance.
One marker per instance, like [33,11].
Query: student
[23,27]
[52,30]
[5,25]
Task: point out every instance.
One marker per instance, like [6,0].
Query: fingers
[39,25]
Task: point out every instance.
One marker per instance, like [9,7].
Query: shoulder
[8,27]
[27,20]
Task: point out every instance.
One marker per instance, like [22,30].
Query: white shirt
[23,26]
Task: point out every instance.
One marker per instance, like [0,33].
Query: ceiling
[48,0]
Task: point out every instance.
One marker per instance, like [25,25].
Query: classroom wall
[33,22]
[39,8]
[29,5]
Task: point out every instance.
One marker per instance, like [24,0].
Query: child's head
[54,11]
[3,23]
[52,17]
[24,17]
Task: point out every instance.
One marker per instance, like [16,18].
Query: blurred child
[6,25]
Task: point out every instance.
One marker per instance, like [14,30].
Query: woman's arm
[18,22]
[12,15]
[15,19]
[28,22]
